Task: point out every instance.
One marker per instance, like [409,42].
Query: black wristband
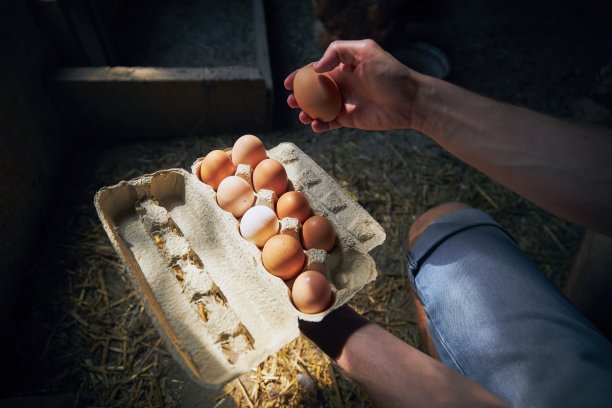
[333,331]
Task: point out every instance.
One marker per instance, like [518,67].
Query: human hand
[377,90]
[331,334]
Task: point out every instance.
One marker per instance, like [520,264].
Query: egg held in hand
[317,94]
[311,292]
[235,195]
[216,166]
[283,256]
[259,224]
[293,204]
[270,175]
[319,233]
[248,149]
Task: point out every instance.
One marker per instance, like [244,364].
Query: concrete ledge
[105,102]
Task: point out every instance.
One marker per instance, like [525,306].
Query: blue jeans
[497,319]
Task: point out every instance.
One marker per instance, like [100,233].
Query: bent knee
[429,216]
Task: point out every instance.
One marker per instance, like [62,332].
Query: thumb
[345,52]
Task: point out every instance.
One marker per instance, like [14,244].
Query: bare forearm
[564,168]
[395,374]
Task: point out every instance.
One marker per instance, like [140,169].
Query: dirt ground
[544,55]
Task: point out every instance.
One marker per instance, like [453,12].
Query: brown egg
[283,256]
[293,204]
[311,292]
[317,94]
[318,232]
[215,167]
[248,149]
[235,195]
[271,175]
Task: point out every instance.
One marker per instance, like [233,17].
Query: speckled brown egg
[270,175]
[216,166]
[283,256]
[293,204]
[248,149]
[318,232]
[311,292]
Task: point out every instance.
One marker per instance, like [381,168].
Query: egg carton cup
[204,286]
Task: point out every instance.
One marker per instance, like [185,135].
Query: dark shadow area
[185,33]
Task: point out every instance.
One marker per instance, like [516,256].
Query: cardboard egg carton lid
[204,286]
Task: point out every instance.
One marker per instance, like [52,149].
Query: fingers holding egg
[304,118]
[318,126]
[288,82]
[292,102]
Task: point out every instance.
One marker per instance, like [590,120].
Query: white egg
[258,224]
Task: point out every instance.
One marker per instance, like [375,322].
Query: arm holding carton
[562,167]
[393,373]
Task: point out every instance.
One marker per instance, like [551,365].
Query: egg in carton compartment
[204,286]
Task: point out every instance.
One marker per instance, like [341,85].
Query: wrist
[332,333]
[425,88]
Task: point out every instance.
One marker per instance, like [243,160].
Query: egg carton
[204,286]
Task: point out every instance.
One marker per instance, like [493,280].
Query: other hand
[377,90]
